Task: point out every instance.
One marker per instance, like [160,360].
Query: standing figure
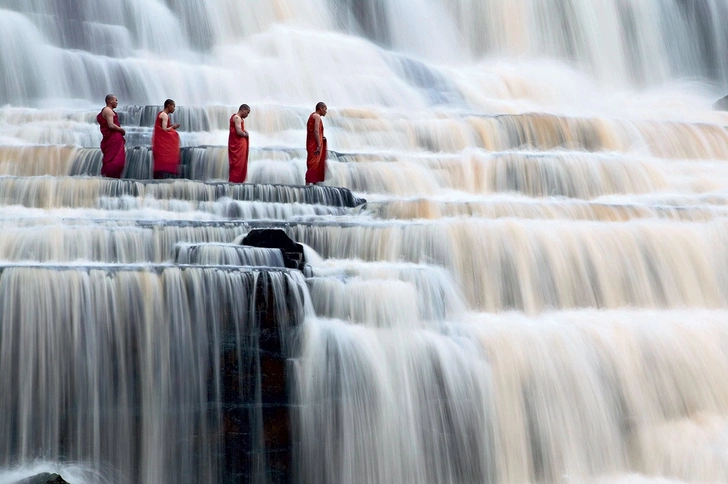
[165,144]
[113,145]
[316,146]
[238,145]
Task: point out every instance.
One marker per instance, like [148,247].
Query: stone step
[362,130]
[48,192]
[227,254]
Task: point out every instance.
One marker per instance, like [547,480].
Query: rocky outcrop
[277,239]
[721,104]
[44,478]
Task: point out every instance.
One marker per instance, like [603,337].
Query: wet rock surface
[44,478]
[277,239]
[721,104]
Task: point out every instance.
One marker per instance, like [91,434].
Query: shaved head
[321,109]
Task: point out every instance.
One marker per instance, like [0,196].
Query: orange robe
[113,148]
[238,148]
[316,164]
[165,150]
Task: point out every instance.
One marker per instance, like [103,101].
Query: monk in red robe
[165,144]
[316,146]
[238,145]
[113,144]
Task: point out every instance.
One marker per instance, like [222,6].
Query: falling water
[521,279]
[112,366]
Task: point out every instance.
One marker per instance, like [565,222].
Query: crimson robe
[238,148]
[165,150]
[113,148]
[316,164]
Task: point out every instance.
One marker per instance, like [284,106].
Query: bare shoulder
[316,116]
[163,115]
[107,110]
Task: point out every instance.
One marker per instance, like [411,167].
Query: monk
[238,145]
[165,144]
[113,144]
[316,146]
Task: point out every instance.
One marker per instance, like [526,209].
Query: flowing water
[535,291]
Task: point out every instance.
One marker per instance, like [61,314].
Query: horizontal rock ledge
[244,225]
[157,268]
[14,189]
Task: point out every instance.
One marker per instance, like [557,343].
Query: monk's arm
[165,123]
[316,135]
[109,117]
[239,127]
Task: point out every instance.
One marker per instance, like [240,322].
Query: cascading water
[534,291]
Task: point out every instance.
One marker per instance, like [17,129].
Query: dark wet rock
[277,239]
[44,478]
[255,401]
[721,104]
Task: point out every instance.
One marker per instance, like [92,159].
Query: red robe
[238,147]
[165,149]
[112,148]
[316,163]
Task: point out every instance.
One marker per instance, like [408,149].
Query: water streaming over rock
[521,279]
[228,254]
[129,370]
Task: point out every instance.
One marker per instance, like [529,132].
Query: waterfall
[513,399]
[111,366]
[515,270]
[143,50]
[228,254]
